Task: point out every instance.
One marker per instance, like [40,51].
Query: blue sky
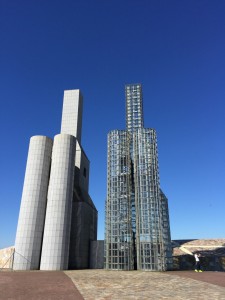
[176,49]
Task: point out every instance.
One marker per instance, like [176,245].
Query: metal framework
[137,233]
[119,245]
[166,231]
[149,235]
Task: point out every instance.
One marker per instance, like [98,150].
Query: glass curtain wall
[134,121]
[149,235]
[134,108]
[118,233]
[166,231]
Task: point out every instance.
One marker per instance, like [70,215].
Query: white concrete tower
[72,113]
[56,240]
[72,124]
[33,204]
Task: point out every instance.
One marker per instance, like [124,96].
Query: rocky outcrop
[212,254]
[6,258]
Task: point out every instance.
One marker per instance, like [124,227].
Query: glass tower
[137,232]
[134,110]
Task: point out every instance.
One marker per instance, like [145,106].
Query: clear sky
[176,49]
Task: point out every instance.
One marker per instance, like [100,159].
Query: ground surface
[37,285]
[119,285]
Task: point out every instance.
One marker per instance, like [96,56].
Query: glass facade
[137,232]
[134,111]
[166,231]
[119,246]
[149,239]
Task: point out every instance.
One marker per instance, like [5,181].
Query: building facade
[57,219]
[137,231]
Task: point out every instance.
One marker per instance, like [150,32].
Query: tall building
[57,219]
[137,231]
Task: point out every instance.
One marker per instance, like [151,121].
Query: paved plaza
[102,284]
[118,285]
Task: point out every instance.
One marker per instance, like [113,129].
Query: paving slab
[138,285]
[37,285]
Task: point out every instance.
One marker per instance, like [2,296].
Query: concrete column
[56,240]
[33,204]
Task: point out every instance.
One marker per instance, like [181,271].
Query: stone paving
[122,285]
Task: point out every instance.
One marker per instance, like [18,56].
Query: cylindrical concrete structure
[56,240]
[33,205]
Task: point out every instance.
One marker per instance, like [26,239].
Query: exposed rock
[6,258]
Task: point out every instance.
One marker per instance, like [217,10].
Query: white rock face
[6,258]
